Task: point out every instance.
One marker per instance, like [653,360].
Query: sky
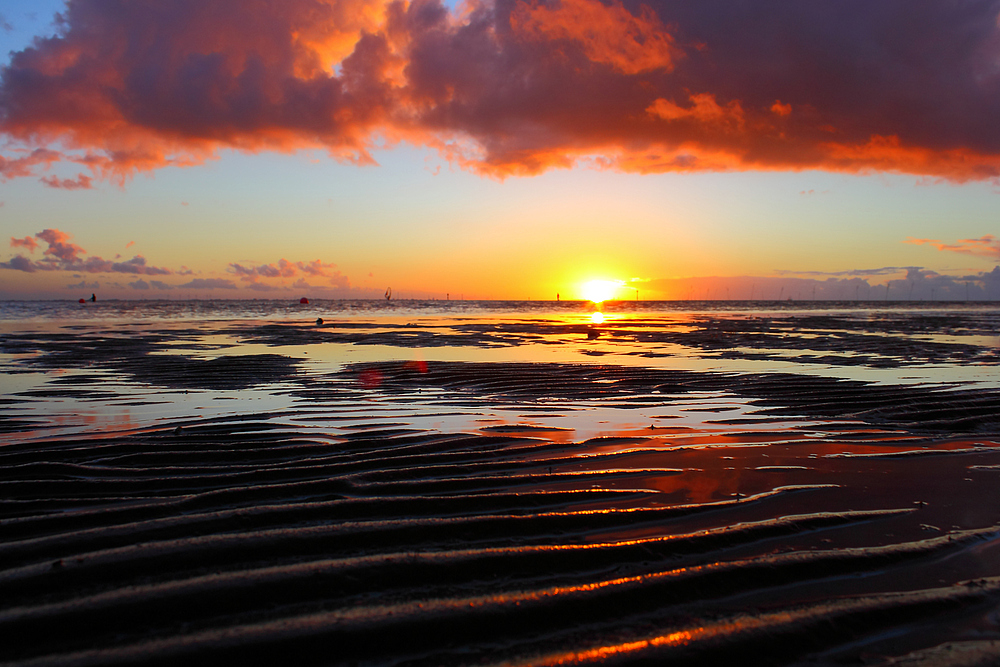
[513,149]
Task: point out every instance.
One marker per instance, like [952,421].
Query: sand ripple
[245,540]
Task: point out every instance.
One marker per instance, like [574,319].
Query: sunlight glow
[600,290]
[597,318]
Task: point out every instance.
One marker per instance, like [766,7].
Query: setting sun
[600,290]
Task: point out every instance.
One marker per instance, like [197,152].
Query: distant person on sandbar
[93,298]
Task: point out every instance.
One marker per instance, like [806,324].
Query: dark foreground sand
[842,522]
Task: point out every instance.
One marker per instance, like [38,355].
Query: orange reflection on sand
[673,639]
[97,423]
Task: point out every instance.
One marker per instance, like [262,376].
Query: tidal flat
[476,486]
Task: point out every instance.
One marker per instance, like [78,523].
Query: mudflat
[783,489]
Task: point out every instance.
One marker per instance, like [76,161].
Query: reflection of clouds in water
[279,357]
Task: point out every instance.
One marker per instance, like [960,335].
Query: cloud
[60,247]
[985,246]
[129,244]
[514,87]
[160,285]
[893,283]
[26,242]
[139,284]
[26,164]
[283,268]
[19,263]
[261,287]
[881,271]
[781,109]
[704,109]
[62,255]
[138,265]
[82,182]
[607,34]
[85,285]
[209,283]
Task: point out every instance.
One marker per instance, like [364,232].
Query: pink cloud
[26,242]
[59,245]
[985,246]
[287,269]
[62,255]
[25,165]
[82,182]
[513,87]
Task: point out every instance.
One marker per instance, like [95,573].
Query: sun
[600,290]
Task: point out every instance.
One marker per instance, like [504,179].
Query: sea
[266,309]
[88,368]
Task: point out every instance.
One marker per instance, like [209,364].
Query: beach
[516,483]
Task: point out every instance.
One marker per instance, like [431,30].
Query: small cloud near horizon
[284,268]
[62,255]
[261,287]
[881,271]
[209,283]
[985,246]
[915,283]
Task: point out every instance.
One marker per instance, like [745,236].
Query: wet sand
[420,510]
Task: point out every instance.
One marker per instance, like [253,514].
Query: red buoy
[83,301]
[304,300]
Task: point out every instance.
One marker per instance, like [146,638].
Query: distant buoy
[304,300]
[319,321]
[83,301]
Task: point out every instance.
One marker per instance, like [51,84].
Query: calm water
[882,342]
[218,309]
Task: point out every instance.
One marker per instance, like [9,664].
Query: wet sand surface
[795,489]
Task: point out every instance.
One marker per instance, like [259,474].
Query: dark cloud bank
[514,86]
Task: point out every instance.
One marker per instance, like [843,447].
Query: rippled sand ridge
[475,489]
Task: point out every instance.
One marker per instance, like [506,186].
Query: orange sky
[507,149]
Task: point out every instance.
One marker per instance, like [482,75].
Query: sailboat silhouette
[388,294]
